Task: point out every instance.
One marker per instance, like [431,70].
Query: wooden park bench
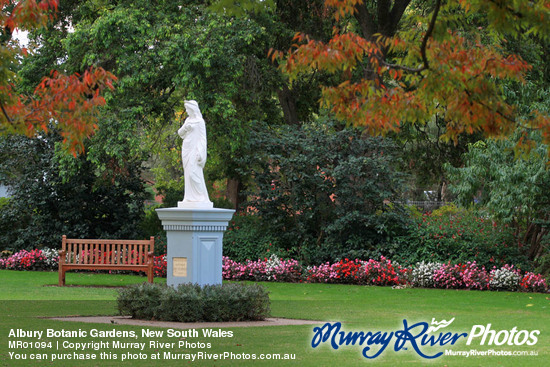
[106,255]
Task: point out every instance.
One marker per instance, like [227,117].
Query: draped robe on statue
[193,154]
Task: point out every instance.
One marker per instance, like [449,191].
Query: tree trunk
[535,242]
[233,192]
[288,104]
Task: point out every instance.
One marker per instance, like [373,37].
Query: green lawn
[28,296]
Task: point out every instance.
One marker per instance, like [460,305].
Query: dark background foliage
[323,193]
[48,201]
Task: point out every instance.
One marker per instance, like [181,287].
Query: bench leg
[61,277]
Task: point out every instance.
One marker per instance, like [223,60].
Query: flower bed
[46,259]
[383,272]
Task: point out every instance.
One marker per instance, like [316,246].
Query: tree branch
[383,14]
[365,20]
[506,117]
[507,8]
[396,13]
[429,34]
[5,112]
[425,64]
[402,67]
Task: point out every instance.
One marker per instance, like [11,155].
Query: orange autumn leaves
[385,81]
[68,102]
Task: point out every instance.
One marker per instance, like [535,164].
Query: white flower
[423,274]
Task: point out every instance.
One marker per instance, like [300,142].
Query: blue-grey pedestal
[194,249]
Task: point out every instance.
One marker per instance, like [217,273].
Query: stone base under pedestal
[194,248]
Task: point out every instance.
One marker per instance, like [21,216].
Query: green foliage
[425,154]
[543,265]
[78,198]
[326,194]
[514,189]
[413,211]
[458,235]
[4,202]
[239,8]
[193,303]
[150,225]
[246,238]
[450,211]
[164,52]
[138,301]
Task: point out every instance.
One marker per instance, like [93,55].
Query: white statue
[193,155]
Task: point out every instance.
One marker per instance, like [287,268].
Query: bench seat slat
[103,267]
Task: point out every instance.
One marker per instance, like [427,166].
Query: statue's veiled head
[192,108]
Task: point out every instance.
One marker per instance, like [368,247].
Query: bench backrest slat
[81,249]
[113,252]
[125,254]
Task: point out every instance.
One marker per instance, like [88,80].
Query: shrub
[52,258]
[325,194]
[460,237]
[193,303]
[184,305]
[515,190]
[505,279]
[95,195]
[371,272]
[343,271]
[159,266]
[532,282]
[141,301]
[543,264]
[423,274]
[272,268]
[469,276]
[245,238]
[323,273]
[283,270]
[383,272]
[232,270]
[26,260]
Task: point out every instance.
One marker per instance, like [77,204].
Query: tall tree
[164,52]
[403,62]
[69,100]
[47,202]
[514,190]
